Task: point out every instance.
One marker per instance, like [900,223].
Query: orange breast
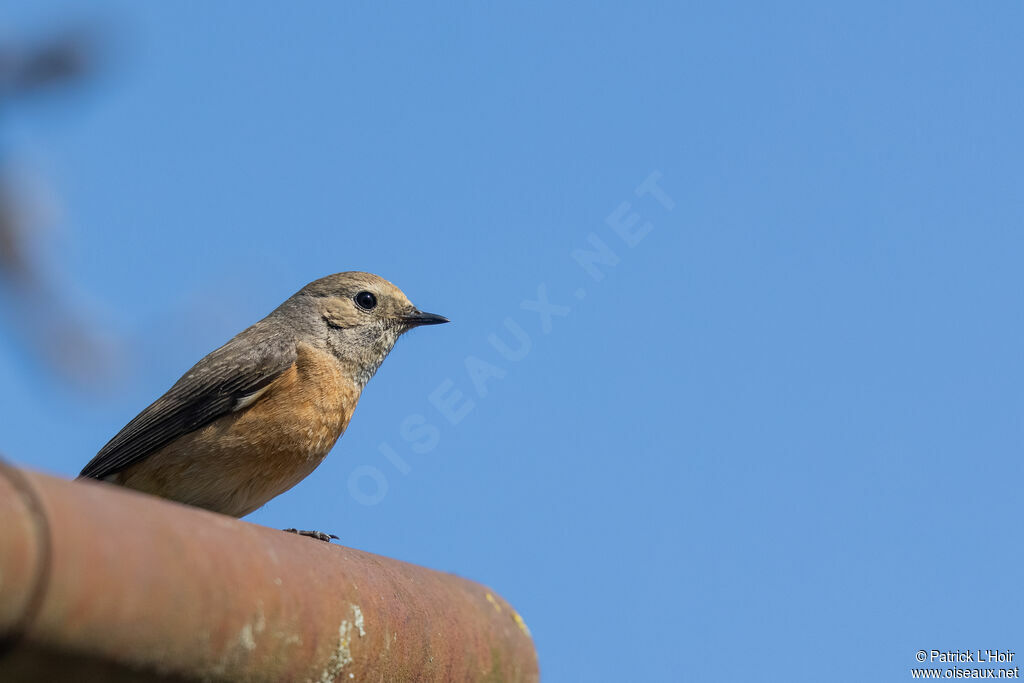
[243,459]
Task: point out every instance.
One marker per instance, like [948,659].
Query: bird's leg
[318,535]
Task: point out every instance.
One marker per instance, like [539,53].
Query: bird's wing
[229,378]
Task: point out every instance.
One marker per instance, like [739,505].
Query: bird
[256,416]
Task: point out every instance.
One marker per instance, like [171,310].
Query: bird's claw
[318,535]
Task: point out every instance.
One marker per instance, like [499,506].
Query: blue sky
[779,439]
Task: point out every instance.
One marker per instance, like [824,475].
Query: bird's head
[363,316]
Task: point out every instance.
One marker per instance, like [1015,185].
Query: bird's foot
[318,535]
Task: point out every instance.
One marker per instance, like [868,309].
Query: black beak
[417,318]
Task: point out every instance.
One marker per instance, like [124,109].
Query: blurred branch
[14,265]
[56,61]
[52,326]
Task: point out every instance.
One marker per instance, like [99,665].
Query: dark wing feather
[210,389]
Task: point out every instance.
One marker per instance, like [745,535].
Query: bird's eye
[366,300]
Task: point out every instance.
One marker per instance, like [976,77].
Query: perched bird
[255,417]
